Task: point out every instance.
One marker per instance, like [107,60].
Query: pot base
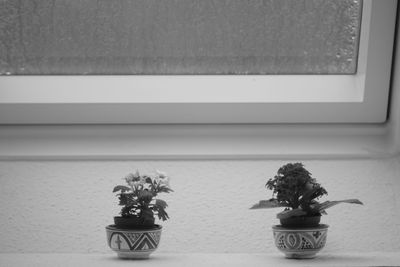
[134,256]
[303,255]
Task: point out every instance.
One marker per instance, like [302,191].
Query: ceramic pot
[133,243]
[300,243]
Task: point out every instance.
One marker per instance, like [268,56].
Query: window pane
[179,36]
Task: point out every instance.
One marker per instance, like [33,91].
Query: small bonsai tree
[294,189]
[138,201]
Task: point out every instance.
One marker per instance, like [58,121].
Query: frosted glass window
[179,36]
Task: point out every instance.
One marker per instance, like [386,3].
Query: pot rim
[113,227]
[281,228]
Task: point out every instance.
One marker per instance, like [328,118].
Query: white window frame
[196,141]
[359,98]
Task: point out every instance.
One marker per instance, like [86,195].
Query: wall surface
[63,206]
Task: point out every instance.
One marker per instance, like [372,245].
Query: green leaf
[164,189]
[267,204]
[123,200]
[122,188]
[327,204]
[159,208]
[162,214]
[161,203]
[127,199]
[131,201]
[290,213]
[311,195]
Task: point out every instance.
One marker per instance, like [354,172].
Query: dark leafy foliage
[138,198]
[295,189]
[294,186]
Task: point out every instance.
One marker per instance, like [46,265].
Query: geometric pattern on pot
[141,241]
[300,240]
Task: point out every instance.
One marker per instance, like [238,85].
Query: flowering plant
[296,191]
[138,198]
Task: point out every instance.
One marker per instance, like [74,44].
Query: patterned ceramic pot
[133,243]
[300,243]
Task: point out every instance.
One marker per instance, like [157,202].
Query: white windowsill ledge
[197,260]
[126,142]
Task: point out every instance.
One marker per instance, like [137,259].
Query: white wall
[63,206]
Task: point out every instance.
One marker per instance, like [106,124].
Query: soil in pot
[133,223]
[301,221]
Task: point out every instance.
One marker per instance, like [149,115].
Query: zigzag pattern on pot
[135,241]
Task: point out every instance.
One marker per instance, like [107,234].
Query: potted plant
[134,234]
[300,234]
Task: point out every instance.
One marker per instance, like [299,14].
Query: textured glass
[179,36]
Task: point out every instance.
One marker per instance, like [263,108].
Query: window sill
[166,260]
[125,142]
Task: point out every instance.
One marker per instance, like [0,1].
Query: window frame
[211,141]
[215,98]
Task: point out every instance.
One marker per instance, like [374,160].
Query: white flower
[146,186]
[129,178]
[161,174]
[136,175]
[162,178]
[133,179]
[165,181]
[142,180]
